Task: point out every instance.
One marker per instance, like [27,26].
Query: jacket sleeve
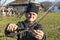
[12,34]
[39,26]
[9,34]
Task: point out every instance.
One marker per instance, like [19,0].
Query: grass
[50,23]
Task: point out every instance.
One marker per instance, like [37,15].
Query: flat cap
[32,8]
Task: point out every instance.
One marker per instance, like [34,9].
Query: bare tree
[2,2]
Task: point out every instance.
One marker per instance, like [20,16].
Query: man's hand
[38,34]
[12,27]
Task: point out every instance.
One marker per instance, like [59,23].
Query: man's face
[31,16]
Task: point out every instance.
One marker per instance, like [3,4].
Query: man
[28,29]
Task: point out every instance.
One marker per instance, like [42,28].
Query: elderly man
[35,30]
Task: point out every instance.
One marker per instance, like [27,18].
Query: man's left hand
[38,34]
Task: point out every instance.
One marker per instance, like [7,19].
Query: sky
[45,0]
[8,1]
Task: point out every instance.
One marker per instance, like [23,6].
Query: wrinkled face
[31,16]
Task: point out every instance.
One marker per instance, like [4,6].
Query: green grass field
[50,23]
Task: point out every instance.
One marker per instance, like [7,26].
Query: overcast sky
[45,0]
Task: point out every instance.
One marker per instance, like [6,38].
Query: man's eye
[33,14]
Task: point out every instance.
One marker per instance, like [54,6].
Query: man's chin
[31,20]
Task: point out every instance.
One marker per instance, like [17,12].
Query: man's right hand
[12,27]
